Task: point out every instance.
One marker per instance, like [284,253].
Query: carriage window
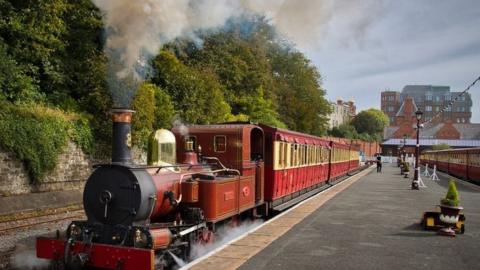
[285,154]
[281,157]
[305,155]
[298,150]
[292,155]
[220,143]
[301,159]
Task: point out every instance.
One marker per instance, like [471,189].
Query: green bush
[38,134]
[452,198]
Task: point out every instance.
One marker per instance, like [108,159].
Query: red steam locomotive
[462,163]
[141,217]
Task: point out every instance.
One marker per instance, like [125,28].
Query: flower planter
[449,216]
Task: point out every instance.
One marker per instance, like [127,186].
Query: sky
[378,45]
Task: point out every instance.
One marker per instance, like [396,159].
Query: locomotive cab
[162,148]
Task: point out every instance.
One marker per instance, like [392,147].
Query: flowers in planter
[450,210]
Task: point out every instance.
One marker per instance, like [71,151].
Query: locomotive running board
[300,198]
[100,255]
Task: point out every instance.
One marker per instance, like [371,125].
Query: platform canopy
[430,142]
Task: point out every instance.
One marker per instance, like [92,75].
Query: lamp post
[418,115]
[404,153]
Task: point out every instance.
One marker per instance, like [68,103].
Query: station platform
[374,223]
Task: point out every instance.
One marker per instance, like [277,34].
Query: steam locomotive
[142,217]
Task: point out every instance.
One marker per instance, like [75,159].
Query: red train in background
[462,163]
[143,216]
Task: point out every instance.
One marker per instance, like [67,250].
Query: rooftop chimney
[122,139]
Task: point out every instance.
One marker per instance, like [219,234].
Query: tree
[197,96]
[248,57]
[300,98]
[51,53]
[344,131]
[371,121]
[261,110]
[144,116]
[164,109]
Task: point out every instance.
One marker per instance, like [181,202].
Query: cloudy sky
[375,45]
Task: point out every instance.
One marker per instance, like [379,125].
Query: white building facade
[342,112]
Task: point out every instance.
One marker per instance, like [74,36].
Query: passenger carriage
[462,163]
[295,163]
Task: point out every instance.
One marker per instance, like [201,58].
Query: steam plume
[25,258]
[137,29]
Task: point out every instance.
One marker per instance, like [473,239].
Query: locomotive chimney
[122,140]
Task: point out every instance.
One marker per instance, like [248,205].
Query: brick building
[457,134]
[430,100]
[405,123]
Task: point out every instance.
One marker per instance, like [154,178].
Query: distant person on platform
[379,163]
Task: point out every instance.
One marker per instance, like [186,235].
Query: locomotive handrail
[218,161]
[172,166]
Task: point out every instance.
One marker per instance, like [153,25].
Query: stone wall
[72,170]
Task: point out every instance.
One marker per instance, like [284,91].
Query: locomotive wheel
[208,236]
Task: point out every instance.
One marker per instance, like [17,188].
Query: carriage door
[257,155]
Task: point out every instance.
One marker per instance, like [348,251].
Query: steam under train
[462,163]
[140,217]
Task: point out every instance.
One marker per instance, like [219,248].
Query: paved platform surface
[374,224]
[234,254]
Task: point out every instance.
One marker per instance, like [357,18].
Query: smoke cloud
[136,30]
[25,258]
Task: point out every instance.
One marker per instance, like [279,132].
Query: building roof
[389,131]
[430,142]
[402,109]
[467,131]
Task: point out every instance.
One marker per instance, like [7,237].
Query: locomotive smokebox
[122,138]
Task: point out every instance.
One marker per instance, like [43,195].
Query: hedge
[38,134]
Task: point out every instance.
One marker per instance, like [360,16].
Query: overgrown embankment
[37,135]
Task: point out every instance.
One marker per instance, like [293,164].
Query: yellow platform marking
[430,222]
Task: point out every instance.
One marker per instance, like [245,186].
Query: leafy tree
[344,131]
[144,116]
[51,52]
[164,109]
[240,66]
[197,96]
[247,57]
[299,96]
[371,121]
[261,110]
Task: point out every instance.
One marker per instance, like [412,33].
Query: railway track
[17,228]
[25,223]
